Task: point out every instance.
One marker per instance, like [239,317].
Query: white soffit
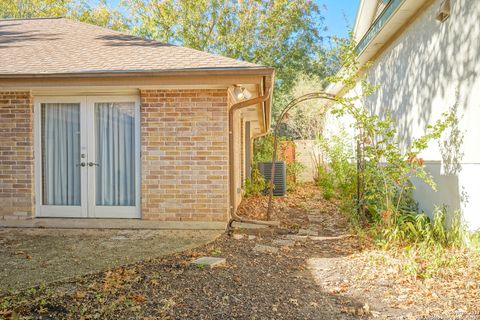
[396,21]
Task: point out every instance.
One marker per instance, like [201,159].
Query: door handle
[91,164]
[81,164]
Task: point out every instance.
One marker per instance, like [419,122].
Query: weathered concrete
[209,262]
[295,237]
[315,218]
[57,223]
[29,257]
[307,232]
[244,225]
[238,236]
[330,238]
[284,242]
[265,249]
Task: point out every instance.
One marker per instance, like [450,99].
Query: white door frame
[51,210]
[87,207]
[95,211]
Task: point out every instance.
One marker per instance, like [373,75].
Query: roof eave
[383,32]
[263,71]
[388,26]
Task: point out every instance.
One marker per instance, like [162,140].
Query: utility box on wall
[280,179]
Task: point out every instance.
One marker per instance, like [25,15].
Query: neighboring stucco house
[99,124]
[426,59]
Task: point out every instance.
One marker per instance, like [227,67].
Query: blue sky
[339,16]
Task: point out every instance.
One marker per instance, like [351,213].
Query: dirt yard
[310,268]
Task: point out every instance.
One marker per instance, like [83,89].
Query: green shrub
[386,165]
[426,246]
[386,168]
[418,228]
[263,149]
[326,182]
[337,178]
[256,185]
[293,171]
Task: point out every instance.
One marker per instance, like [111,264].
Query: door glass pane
[61,154]
[115,154]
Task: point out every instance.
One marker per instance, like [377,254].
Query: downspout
[235,107]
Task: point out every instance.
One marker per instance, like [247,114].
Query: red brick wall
[16,155]
[184,154]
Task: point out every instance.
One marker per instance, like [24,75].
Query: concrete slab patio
[72,223]
[31,256]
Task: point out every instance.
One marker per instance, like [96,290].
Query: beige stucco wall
[431,68]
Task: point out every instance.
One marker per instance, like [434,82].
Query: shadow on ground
[278,283]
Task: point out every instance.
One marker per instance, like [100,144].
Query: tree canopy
[283,34]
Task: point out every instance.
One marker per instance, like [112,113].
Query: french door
[87,156]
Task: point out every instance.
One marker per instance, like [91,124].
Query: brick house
[100,124]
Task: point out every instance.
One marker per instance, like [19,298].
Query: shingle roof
[63,46]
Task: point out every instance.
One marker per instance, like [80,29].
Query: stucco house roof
[54,46]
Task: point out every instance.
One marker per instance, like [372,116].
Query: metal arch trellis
[286,109]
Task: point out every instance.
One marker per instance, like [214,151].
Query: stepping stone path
[307,232]
[295,237]
[284,242]
[330,238]
[209,262]
[314,218]
[240,236]
[265,249]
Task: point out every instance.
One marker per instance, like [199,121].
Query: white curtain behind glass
[61,153]
[115,154]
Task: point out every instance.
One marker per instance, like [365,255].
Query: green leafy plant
[327,182]
[215,251]
[293,171]
[385,167]
[340,163]
[255,185]
[418,228]
[382,169]
[263,148]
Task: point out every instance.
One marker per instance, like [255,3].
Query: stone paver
[265,249]
[209,262]
[329,238]
[284,242]
[295,237]
[315,218]
[307,232]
